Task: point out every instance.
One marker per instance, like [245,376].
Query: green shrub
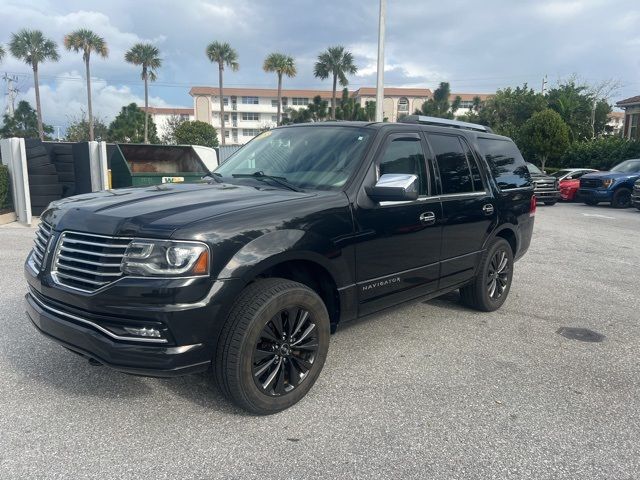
[5,192]
[601,153]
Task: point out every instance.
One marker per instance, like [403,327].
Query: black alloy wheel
[285,351]
[498,274]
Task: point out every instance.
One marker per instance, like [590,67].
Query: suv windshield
[307,157]
[630,166]
[533,169]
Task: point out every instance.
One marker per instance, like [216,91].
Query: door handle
[427,218]
[487,209]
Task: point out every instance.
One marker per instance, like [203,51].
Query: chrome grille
[41,242]
[86,261]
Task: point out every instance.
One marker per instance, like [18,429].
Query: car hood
[614,175]
[157,211]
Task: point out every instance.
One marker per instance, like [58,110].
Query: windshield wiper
[216,177]
[261,175]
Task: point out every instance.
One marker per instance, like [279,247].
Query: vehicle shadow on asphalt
[73,376]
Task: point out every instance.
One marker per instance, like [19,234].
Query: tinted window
[405,155]
[505,161]
[455,174]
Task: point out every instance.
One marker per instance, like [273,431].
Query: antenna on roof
[443,122]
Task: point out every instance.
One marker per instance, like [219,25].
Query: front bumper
[600,195]
[128,357]
[635,197]
[187,312]
[547,195]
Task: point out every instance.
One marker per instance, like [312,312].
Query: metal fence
[225,151]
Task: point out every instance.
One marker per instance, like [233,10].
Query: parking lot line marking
[597,215]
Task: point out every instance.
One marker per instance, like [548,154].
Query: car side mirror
[394,187]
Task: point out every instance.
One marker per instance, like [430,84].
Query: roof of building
[393,92]
[168,110]
[618,115]
[629,101]
[261,92]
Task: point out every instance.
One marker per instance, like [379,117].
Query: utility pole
[544,84]
[380,79]
[11,93]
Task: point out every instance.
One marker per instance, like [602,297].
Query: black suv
[302,229]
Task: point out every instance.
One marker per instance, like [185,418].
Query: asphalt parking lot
[427,390]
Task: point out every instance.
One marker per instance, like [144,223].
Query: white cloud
[67,98]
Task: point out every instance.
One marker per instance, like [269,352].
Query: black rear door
[468,207]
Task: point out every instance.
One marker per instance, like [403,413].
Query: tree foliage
[23,123]
[545,135]
[337,63]
[282,65]
[148,57]
[601,153]
[350,109]
[128,126]
[169,135]
[33,48]
[78,129]
[225,56]
[86,41]
[438,105]
[196,133]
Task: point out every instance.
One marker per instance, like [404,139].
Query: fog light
[143,332]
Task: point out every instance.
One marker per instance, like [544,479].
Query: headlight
[606,183]
[166,258]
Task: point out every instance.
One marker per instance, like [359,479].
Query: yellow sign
[172,179]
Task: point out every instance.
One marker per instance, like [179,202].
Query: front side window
[405,155]
[455,173]
[309,157]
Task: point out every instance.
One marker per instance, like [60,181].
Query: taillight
[533,206]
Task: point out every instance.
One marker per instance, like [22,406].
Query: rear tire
[490,288]
[621,198]
[272,346]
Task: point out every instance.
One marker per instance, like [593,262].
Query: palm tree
[338,63]
[86,41]
[222,54]
[1,52]
[146,55]
[32,47]
[282,65]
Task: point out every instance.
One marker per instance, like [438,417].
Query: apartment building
[631,107]
[161,116]
[249,110]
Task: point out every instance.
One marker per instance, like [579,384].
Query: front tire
[273,345]
[491,286]
[621,198]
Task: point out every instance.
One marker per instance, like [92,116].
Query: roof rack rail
[443,122]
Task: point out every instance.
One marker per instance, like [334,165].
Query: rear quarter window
[505,162]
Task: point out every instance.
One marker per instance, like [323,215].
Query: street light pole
[380,79]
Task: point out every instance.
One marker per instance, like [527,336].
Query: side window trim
[477,164]
[388,139]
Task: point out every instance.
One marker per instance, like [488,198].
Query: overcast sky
[478,46]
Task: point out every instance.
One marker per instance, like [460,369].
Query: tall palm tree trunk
[279,99]
[146,109]
[333,97]
[89,107]
[36,84]
[220,68]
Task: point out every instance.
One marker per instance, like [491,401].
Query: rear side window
[506,163]
[455,173]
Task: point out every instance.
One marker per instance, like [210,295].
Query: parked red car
[569,179]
